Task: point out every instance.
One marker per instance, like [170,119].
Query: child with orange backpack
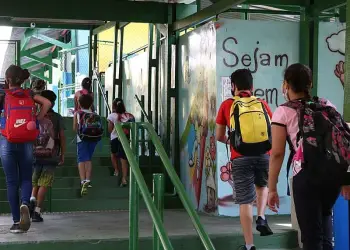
[19,130]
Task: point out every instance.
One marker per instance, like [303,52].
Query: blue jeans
[17,161]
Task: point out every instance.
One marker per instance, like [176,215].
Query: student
[89,131]
[51,139]
[86,85]
[315,187]
[17,158]
[250,173]
[38,86]
[117,152]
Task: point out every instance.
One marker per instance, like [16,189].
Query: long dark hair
[118,106]
[15,75]
[299,78]
[87,84]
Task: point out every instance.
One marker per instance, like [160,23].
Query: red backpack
[126,117]
[19,110]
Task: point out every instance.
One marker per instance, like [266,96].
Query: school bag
[89,126]
[126,117]
[250,126]
[18,119]
[323,140]
[46,147]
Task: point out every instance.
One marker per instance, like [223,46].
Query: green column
[156,84]
[347,67]
[115,56]
[150,66]
[304,38]
[120,60]
[91,49]
[170,42]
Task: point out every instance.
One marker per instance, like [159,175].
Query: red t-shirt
[223,118]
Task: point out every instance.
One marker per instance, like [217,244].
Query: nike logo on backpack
[19,123]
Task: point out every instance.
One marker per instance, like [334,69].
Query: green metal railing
[155,207]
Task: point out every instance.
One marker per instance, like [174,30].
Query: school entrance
[170,61]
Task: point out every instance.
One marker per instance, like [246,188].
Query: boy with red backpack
[119,115]
[89,129]
[19,131]
[49,151]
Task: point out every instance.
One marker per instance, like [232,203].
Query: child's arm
[62,145]
[45,105]
[75,122]
[110,126]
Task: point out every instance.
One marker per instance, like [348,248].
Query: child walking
[117,152]
[89,132]
[19,132]
[49,152]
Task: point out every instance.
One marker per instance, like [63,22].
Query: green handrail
[137,175]
[134,166]
[179,187]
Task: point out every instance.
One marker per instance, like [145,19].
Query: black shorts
[117,149]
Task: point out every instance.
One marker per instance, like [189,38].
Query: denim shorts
[85,150]
[248,172]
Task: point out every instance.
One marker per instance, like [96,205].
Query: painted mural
[331,58]
[198,111]
[258,46]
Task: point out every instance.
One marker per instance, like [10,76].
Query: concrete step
[110,231]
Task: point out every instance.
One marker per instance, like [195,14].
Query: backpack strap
[289,162]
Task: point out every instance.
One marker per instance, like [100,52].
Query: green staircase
[106,194]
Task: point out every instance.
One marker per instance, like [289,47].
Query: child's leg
[45,181]
[82,153]
[124,161]
[82,172]
[88,163]
[88,170]
[37,169]
[25,164]
[35,178]
[124,170]
[114,160]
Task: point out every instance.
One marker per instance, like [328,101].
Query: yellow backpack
[250,126]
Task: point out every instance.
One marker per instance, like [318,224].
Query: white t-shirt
[114,117]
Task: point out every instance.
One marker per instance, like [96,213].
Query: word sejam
[253,62]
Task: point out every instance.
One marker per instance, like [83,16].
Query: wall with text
[266,48]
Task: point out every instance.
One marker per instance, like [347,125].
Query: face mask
[285,93]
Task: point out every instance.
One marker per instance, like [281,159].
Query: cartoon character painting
[210,166]
[198,77]
[336,44]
